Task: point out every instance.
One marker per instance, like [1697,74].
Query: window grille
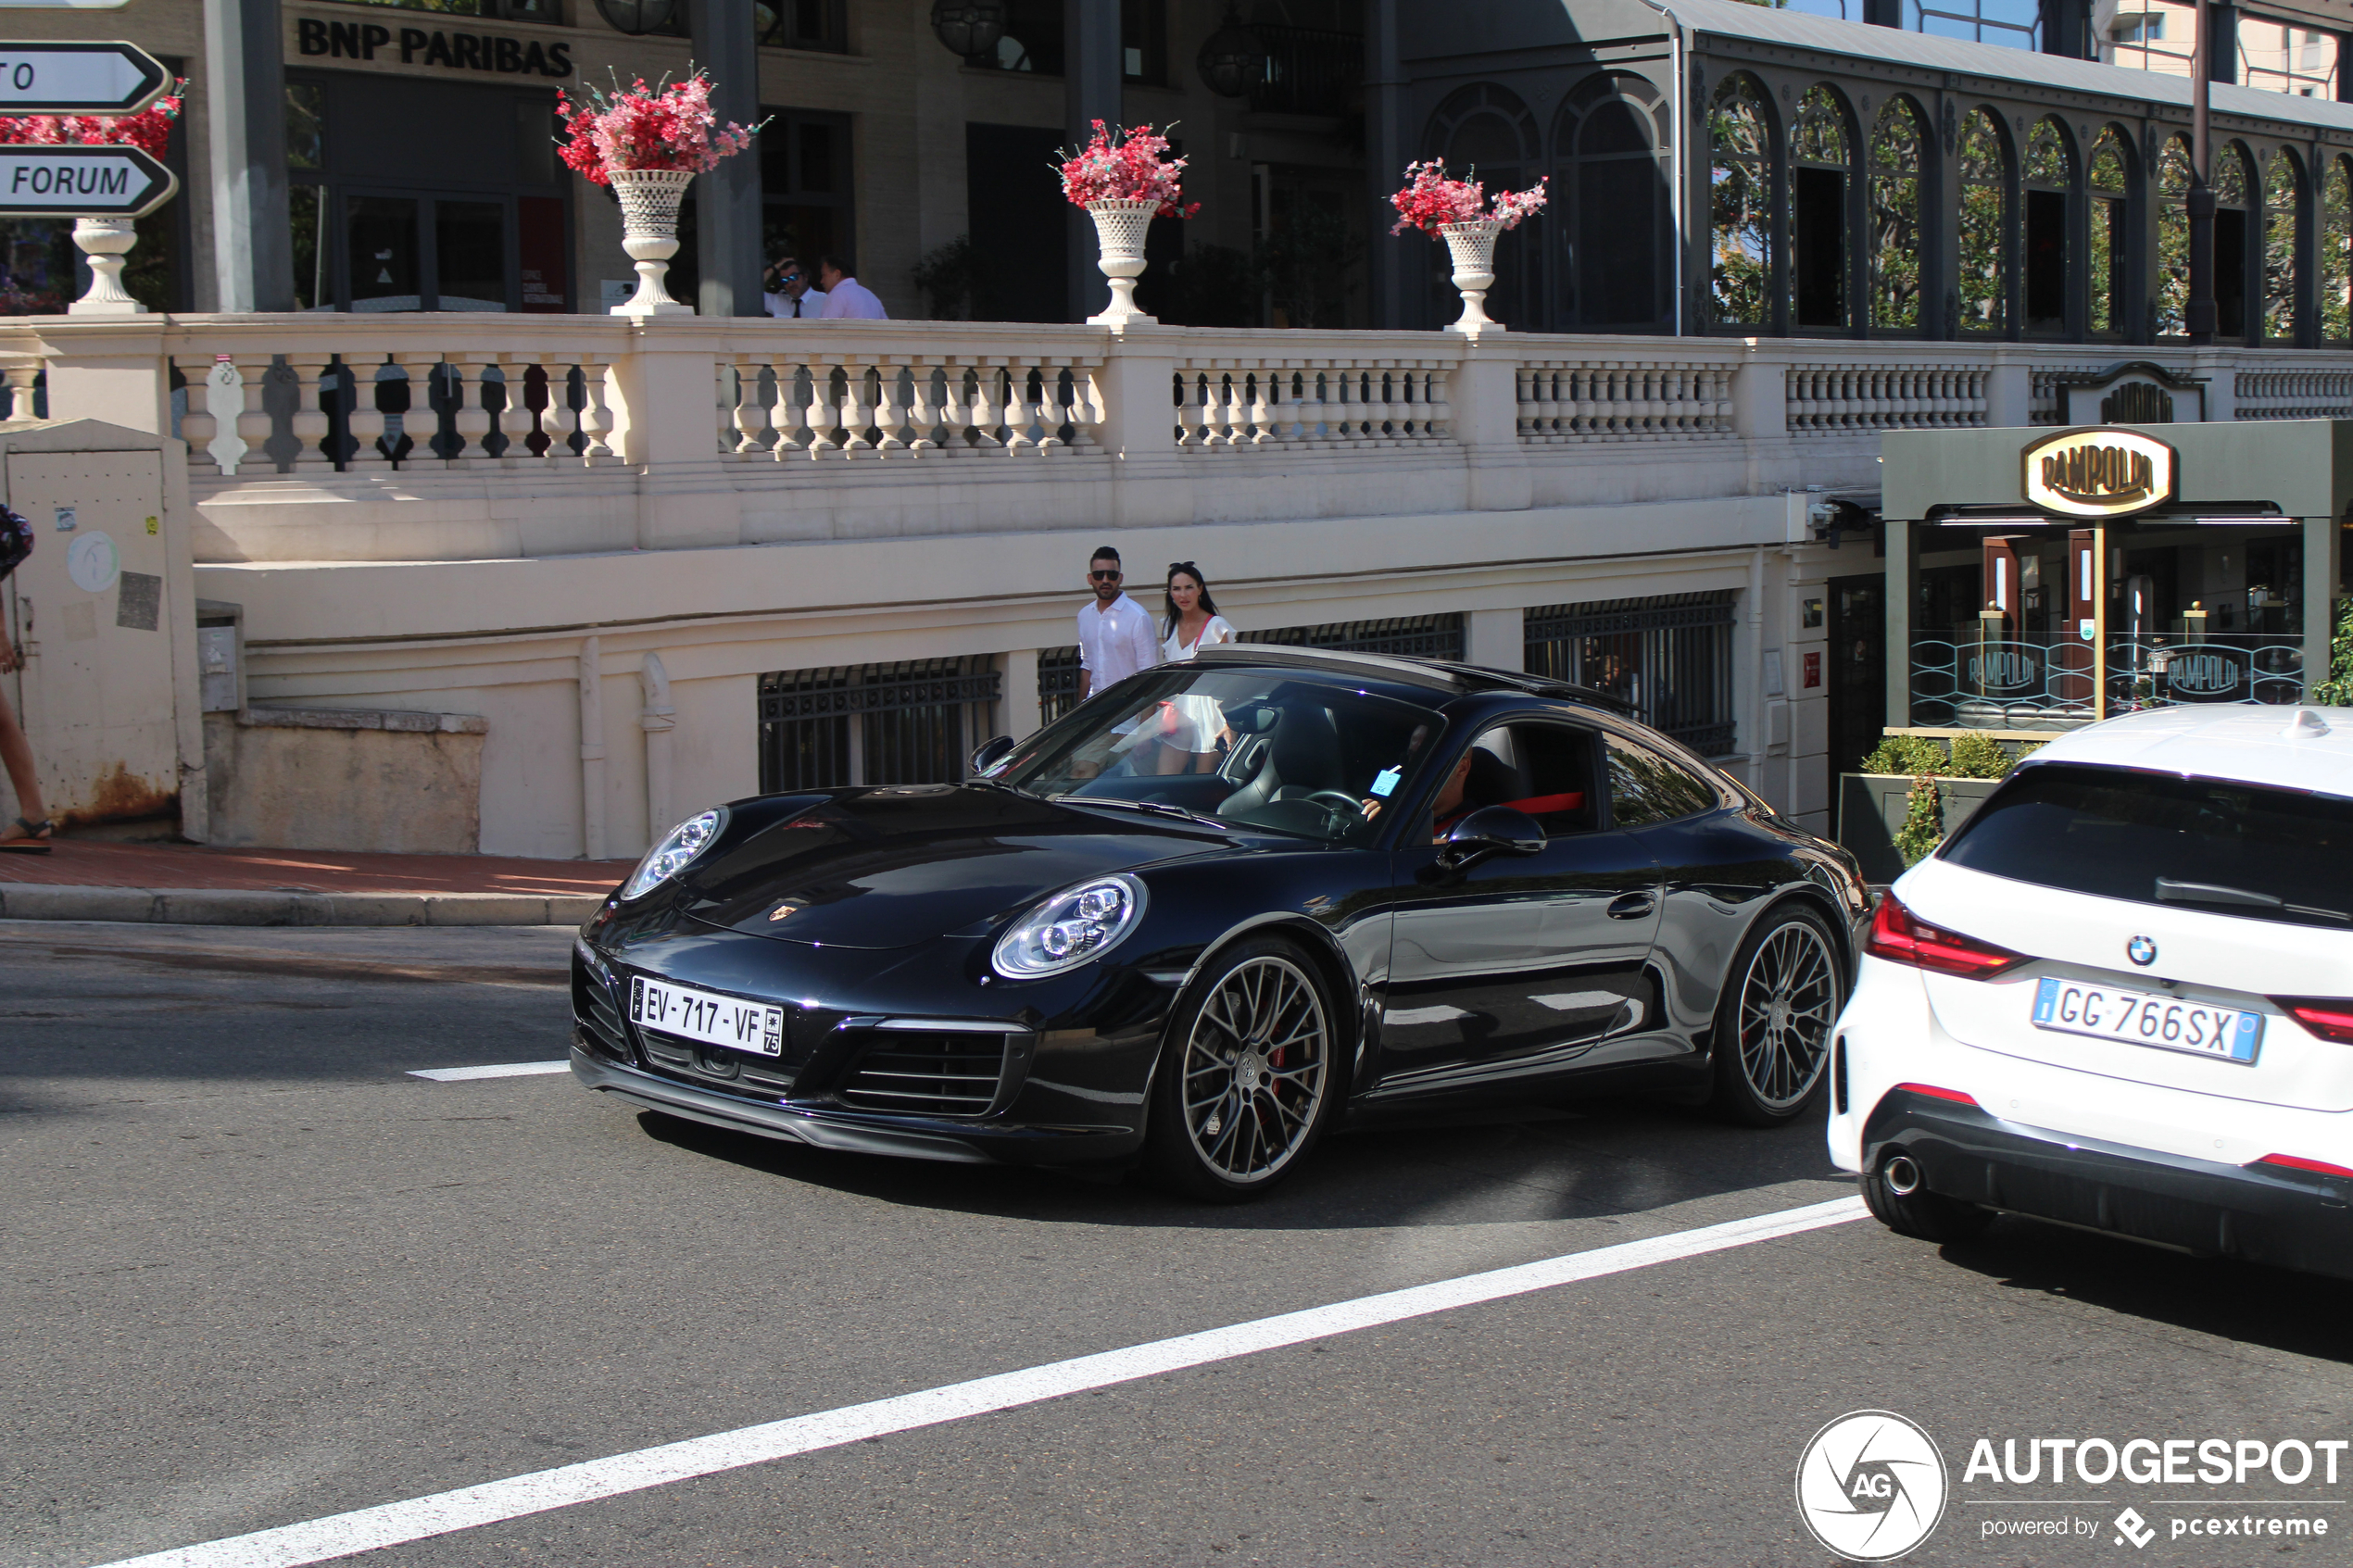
[1057,682]
[1414,636]
[901,723]
[1669,656]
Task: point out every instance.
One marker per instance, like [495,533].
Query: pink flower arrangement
[665,126]
[149,130]
[1431,199]
[1127,165]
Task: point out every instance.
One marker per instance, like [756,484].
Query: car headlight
[1075,926]
[677,849]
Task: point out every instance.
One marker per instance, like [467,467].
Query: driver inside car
[1480,778]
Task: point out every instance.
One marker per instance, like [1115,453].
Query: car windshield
[2204,843]
[1271,749]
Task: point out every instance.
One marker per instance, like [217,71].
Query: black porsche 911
[1217,908]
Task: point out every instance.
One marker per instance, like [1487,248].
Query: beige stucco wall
[345,781]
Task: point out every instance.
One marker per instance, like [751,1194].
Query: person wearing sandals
[1193,725]
[29,835]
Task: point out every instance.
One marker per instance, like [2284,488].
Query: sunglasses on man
[1104,576]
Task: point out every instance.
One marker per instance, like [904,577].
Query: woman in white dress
[1191,725]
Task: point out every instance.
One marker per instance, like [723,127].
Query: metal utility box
[103,612]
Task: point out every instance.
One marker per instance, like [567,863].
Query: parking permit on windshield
[1386,781]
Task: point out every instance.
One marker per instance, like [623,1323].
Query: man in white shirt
[1115,635]
[786,290]
[844,296]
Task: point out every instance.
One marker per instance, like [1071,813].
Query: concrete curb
[213,906]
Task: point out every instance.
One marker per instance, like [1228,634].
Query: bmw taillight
[1933,1092]
[1900,936]
[2330,1018]
[2298,1162]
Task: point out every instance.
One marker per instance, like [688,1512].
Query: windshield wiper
[978,782]
[2215,895]
[1157,808]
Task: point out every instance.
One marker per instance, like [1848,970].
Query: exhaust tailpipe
[1903,1177]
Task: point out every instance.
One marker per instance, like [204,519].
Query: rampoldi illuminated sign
[2099,470]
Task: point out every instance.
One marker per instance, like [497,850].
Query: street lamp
[636,17]
[1232,60]
[968,27]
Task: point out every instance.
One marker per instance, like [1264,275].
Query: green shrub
[1923,826]
[1978,757]
[2338,690]
[1906,754]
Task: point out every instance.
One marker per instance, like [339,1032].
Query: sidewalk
[196,884]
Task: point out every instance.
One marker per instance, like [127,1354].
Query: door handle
[1631,906]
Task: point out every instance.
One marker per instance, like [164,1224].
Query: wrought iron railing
[2044,681]
[1669,658]
[1411,636]
[904,724]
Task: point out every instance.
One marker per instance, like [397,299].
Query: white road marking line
[394,1524]
[503,1069]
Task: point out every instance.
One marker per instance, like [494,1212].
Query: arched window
[1984,231]
[1819,163]
[2282,224]
[2110,187]
[1740,269]
[1895,219]
[2169,301]
[1610,206]
[2336,252]
[2234,178]
[2050,178]
[1484,131]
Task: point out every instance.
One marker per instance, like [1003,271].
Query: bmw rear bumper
[2270,1215]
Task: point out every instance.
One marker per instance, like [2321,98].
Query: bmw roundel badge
[2141,950]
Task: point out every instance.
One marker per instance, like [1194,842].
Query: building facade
[574,575]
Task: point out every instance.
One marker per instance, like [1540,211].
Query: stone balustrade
[434,437]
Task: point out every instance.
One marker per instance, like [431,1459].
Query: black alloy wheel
[1245,1080]
[1782,997]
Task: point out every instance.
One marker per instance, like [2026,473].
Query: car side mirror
[1490,830]
[989,753]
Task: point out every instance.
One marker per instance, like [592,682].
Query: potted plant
[1124,179]
[1911,792]
[647,143]
[1460,212]
[105,241]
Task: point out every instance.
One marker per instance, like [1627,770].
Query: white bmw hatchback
[2121,997]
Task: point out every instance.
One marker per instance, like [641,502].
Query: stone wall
[332,778]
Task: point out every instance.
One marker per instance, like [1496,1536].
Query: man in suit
[785,288]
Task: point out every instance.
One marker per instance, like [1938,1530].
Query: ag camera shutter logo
[1871,1486]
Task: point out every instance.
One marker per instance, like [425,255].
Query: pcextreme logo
[1871,1486]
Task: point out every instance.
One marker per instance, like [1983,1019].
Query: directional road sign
[72,181]
[78,78]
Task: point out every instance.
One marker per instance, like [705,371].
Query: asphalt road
[255,1274]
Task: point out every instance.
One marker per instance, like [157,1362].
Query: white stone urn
[1473,245]
[649,199]
[1120,227]
[105,241]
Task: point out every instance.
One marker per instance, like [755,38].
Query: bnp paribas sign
[2100,471]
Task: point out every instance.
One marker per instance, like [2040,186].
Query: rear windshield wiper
[2215,895]
[1157,808]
